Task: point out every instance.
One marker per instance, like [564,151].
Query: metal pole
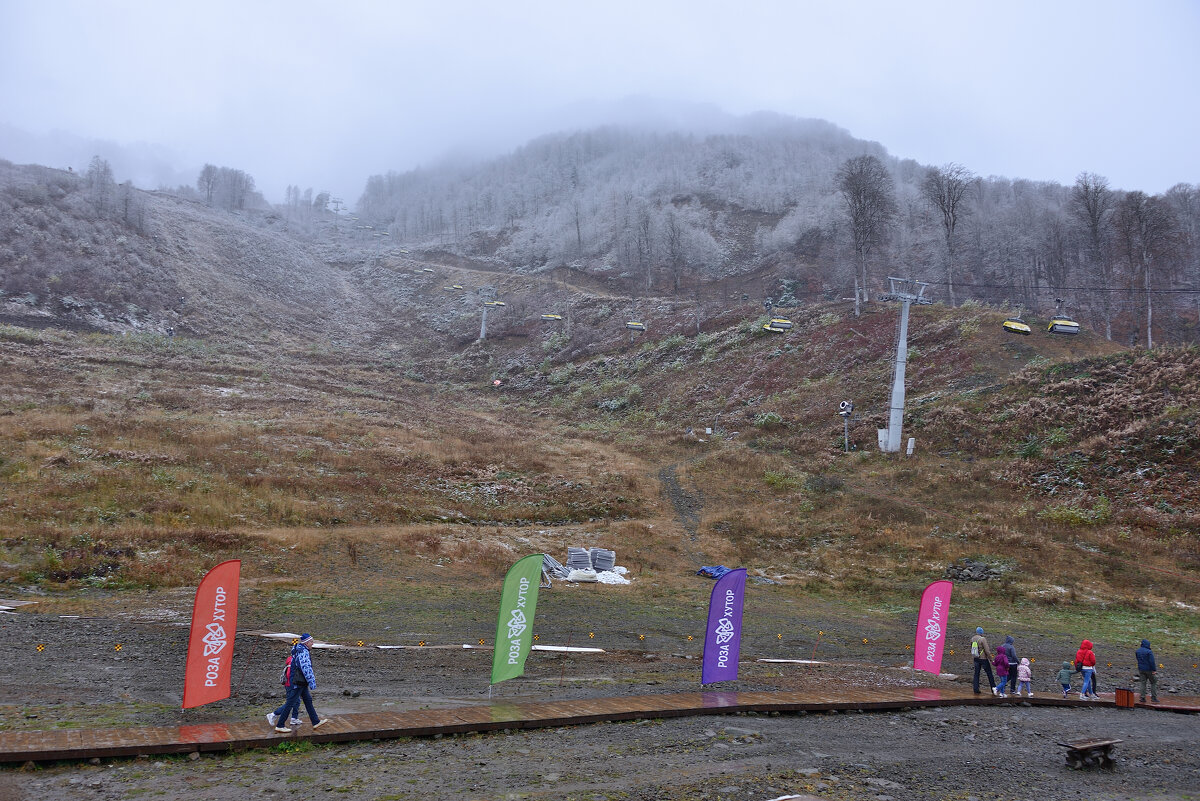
[846,425]
[896,408]
[483,324]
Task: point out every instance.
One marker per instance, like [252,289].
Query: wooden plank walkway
[38,746]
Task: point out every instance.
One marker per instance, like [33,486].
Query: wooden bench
[1089,753]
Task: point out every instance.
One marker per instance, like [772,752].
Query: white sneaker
[271,718]
[321,723]
[1031,694]
[283,730]
[994,692]
[294,722]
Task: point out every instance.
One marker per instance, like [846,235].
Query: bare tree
[100,183]
[1148,236]
[1092,204]
[869,193]
[207,182]
[1184,200]
[945,188]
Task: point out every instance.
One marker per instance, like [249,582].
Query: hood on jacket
[1145,643]
[1008,640]
[1025,661]
[1086,645]
[1066,665]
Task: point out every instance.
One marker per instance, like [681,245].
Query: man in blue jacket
[301,680]
[1147,668]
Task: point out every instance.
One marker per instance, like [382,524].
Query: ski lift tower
[908,291]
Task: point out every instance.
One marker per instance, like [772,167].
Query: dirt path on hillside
[688,507]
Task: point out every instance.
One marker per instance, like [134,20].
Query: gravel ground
[80,680]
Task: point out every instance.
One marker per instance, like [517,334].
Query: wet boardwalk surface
[39,746]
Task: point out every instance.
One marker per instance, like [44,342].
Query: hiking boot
[272,717]
[320,723]
[283,730]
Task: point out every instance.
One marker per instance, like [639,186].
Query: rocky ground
[80,680]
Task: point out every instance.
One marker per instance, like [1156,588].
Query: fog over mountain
[299,93]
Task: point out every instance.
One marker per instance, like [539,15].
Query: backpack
[975,648]
[285,678]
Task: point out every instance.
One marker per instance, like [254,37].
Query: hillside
[333,391]
[667,211]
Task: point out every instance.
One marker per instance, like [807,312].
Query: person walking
[1000,661]
[1064,678]
[301,681]
[1147,670]
[1009,649]
[1085,660]
[983,660]
[1025,676]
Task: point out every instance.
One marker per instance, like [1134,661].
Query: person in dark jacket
[1147,668]
[1010,653]
[301,680]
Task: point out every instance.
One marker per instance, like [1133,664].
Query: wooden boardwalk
[37,746]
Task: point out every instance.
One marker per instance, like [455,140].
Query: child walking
[1064,678]
[1025,677]
[1000,662]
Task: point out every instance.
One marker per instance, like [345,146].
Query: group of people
[300,680]
[1016,675]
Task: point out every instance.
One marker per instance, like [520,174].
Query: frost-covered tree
[946,190]
[869,195]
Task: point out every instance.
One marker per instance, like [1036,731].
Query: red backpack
[285,678]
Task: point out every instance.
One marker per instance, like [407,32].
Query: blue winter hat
[979,629]
[305,638]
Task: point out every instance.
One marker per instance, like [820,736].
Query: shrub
[1099,514]
[767,420]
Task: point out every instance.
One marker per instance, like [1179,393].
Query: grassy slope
[343,417]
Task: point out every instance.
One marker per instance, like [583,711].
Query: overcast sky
[323,95]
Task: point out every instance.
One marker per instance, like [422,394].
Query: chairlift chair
[1063,325]
[635,326]
[781,322]
[553,317]
[1060,323]
[1015,325]
[774,329]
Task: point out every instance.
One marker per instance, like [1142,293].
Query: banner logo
[214,640]
[516,626]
